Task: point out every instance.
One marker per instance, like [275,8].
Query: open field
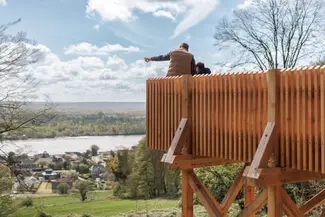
[99,204]
[44,188]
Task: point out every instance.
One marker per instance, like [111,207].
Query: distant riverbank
[60,145]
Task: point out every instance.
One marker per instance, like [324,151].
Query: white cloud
[197,13]
[3,2]
[96,27]
[245,4]
[89,78]
[162,13]
[85,48]
[192,11]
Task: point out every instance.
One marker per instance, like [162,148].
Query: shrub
[43,214]
[28,201]
[63,188]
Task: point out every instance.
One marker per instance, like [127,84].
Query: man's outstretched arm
[159,58]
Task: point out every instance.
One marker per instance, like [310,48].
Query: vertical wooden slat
[249,115]
[287,117]
[218,111]
[155,115]
[230,112]
[298,93]
[225,120]
[316,117]
[209,116]
[197,115]
[265,97]
[259,107]
[282,120]
[147,113]
[201,116]
[172,114]
[293,119]
[231,117]
[175,124]
[148,117]
[222,115]
[322,120]
[213,111]
[304,145]
[194,120]
[204,116]
[165,114]
[168,111]
[245,112]
[309,121]
[158,115]
[235,132]
[254,95]
[240,117]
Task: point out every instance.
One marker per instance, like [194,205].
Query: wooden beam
[264,150]
[187,196]
[280,176]
[233,191]
[177,143]
[255,206]
[209,203]
[189,162]
[289,207]
[274,196]
[313,202]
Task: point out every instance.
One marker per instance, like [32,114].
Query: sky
[93,50]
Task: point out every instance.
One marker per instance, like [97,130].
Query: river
[64,144]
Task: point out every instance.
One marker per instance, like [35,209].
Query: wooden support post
[274,196]
[187,196]
[274,193]
[249,196]
[187,191]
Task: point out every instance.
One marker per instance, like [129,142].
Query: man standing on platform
[181,61]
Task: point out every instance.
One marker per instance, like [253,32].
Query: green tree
[7,205]
[63,188]
[83,169]
[94,150]
[42,164]
[82,187]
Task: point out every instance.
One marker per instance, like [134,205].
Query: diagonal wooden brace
[264,151]
[208,201]
[313,202]
[177,143]
[255,206]
[233,191]
[289,207]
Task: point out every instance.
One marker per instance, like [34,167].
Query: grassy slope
[104,206]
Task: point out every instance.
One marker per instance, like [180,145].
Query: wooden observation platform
[272,121]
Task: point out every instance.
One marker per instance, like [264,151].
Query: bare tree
[18,87]
[273,33]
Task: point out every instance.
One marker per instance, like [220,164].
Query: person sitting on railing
[201,70]
[181,61]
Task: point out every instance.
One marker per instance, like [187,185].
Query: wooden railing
[230,111]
